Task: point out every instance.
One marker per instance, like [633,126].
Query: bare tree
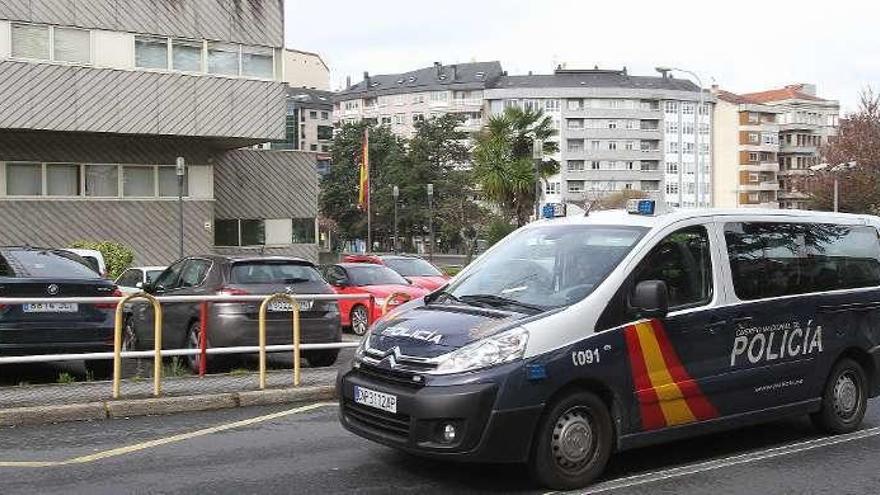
[853,158]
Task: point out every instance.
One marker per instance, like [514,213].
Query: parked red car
[417,270]
[366,278]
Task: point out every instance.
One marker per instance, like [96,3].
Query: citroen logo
[391,357]
[52,289]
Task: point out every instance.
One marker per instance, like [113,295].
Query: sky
[742,46]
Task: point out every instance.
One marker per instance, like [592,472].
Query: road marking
[701,467]
[128,449]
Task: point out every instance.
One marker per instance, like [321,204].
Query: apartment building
[306,70]
[99,98]
[309,122]
[401,100]
[618,131]
[746,137]
[806,122]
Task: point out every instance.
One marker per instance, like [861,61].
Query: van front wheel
[573,442]
[844,399]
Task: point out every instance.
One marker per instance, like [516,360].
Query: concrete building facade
[99,98]
[746,137]
[618,131]
[400,100]
[306,70]
[806,122]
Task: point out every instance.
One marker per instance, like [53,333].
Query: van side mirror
[650,299]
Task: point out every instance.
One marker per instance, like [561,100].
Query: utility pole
[538,157]
[181,172]
[395,192]
[431,221]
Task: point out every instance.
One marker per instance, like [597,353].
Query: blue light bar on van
[641,206]
[553,210]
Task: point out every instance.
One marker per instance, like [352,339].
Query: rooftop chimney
[809,89]
[624,70]
[367,79]
[347,82]
[438,68]
[454,72]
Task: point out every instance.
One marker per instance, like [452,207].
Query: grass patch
[176,367]
[239,372]
[65,378]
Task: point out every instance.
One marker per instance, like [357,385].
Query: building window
[575,145]
[253,232]
[186,55]
[226,233]
[595,165]
[326,131]
[672,167]
[551,105]
[325,147]
[687,108]
[385,120]
[672,127]
[313,115]
[612,124]
[754,118]
[552,188]
[671,107]
[313,147]
[62,179]
[30,41]
[138,181]
[168,182]
[753,137]
[399,118]
[102,180]
[24,179]
[325,115]
[612,145]
[417,117]
[223,59]
[257,61]
[753,157]
[575,186]
[594,145]
[150,52]
[575,165]
[303,231]
[72,45]
[629,145]
[672,146]
[672,188]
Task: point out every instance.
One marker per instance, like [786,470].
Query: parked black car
[236,323]
[54,328]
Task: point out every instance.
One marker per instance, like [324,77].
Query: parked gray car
[236,323]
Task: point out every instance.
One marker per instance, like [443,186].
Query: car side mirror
[650,299]
[340,282]
[154,289]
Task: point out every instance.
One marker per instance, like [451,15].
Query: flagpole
[369,191]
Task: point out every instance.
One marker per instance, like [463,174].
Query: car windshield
[152,274]
[44,264]
[546,267]
[265,272]
[374,275]
[412,267]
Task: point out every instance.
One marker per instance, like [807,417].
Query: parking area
[283,449]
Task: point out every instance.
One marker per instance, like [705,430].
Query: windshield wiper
[499,302]
[295,280]
[442,293]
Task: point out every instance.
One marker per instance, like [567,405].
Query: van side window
[682,260]
[779,259]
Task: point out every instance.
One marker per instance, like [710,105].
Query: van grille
[390,424]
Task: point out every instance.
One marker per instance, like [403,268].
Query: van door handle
[741,319]
[714,325]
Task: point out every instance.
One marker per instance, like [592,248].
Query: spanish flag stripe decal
[699,405]
[649,407]
[667,395]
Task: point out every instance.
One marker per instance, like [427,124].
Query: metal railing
[157,353]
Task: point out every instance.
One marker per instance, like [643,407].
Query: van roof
[622,217]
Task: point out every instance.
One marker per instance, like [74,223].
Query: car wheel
[573,442]
[99,369]
[129,337]
[193,361]
[844,399]
[360,320]
[321,359]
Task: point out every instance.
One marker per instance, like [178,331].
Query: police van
[577,337]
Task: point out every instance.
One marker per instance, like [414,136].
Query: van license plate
[50,308]
[377,400]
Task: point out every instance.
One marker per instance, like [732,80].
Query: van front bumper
[482,433]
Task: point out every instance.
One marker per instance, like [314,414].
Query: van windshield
[545,267]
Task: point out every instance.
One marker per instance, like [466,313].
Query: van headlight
[499,349]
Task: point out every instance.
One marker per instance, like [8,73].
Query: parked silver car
[135,278]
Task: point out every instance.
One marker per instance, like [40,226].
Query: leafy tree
[117,256]
[503,163]
[853,158]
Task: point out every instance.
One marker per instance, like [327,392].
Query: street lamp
[699,171]
[181,171]
[431,221]
[395,191]
[835,169]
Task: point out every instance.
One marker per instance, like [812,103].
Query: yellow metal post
[262,336]
[117,341]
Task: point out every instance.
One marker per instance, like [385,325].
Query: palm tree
[503,163]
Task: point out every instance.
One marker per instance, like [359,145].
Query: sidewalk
[35,404]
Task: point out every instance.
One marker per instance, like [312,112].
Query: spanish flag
[666,393]
[364,182]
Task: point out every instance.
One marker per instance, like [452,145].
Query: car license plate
[284,306]
[377,400]
[50,308]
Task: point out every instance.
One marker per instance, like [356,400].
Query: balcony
[759,186]
[772,205]
[760,167]
[467,104]
[613,113]
[606,133]
[793,148]
[798,126]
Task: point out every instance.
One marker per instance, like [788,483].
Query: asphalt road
[304,450]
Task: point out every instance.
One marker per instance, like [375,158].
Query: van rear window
[779,259]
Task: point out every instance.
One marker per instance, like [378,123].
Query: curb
[111,409]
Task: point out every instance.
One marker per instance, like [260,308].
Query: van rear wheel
[573,442]
[844,399]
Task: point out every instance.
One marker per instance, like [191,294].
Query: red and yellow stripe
[364,175]
[667,395]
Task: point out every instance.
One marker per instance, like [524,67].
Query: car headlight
[499,349]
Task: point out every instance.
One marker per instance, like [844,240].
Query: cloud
[744,46]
